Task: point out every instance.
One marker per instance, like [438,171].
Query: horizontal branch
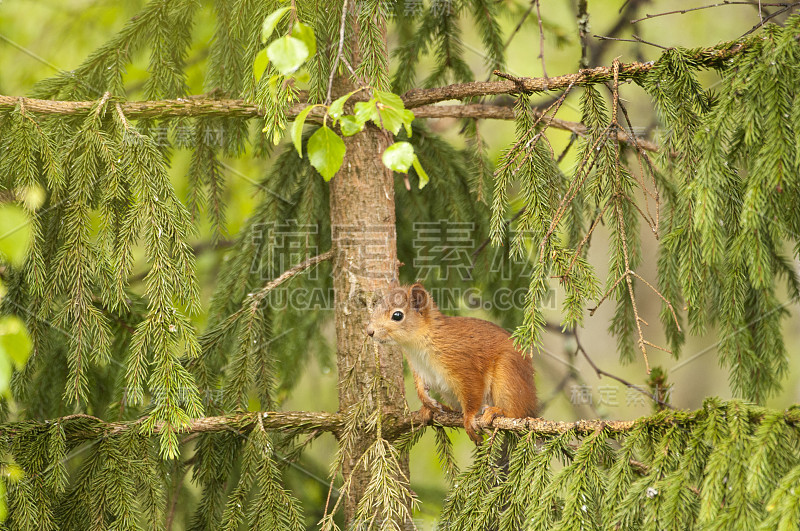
[707,57]
[86,427]
[208,106]
[192,106]
[198,106]
[501,112]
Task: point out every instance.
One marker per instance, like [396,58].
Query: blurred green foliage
[51,37]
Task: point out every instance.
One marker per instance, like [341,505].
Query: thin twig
[582,18]
[257,297]
[669,304]
[620,218]
[528,151]
[639,39]
[627,11]
[663,349]
[634,39]
[769,17]
[629,282]
[173,505]
[519,24]
[724,3]
[572,138]
[606,294]
[585,239]
[600,373]
[542,406]
[338,52]
[580,177]
[541,42]
[654,194]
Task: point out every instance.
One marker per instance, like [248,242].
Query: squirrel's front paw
[426,414]
[444,408]
[471,427]
[489,414]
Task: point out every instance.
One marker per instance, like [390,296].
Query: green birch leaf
[287,54]
[297,129]
[271,21]
[337,107]
[367,110]
[408,117]
[399,157]
[326,152]
[392,114]
[389,99]
[305,33]
[350,126]
[391,119]
[260,64]
[423,176]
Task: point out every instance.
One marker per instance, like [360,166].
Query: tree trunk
[364,240]
[365,262]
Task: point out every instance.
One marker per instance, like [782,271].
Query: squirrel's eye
[397,316]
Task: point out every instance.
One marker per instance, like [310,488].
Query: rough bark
[364,241]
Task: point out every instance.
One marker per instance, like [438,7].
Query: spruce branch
[200,106]
[85,427]
[706,57]
[208,106]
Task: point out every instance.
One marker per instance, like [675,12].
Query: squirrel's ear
[419,298]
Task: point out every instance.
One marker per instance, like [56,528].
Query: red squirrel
[469,362]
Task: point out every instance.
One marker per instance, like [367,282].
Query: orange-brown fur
[469,361]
